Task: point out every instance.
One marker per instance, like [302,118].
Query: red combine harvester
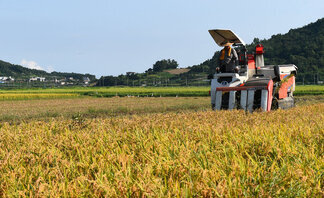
[251,85]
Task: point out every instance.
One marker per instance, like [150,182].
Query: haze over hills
[303,47]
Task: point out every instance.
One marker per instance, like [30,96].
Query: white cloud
[30,64]
[34,65]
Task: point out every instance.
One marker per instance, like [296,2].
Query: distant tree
[106,81]
[133,76]
[149,71]
[199,68]
[256,41]
[165,64]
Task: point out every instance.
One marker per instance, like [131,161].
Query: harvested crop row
[96,107]
[223,153]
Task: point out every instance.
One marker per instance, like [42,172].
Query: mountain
[303,47]
[23,73]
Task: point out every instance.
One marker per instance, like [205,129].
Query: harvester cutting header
[242,81]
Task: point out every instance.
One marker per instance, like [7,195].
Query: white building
[5,78]
[40,79]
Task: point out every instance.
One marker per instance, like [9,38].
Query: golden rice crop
[28,96]
[139,91]
[204,154]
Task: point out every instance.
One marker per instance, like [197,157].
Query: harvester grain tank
[251,85]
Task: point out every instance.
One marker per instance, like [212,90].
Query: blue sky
[105,37]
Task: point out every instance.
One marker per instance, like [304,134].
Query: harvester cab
[251,85]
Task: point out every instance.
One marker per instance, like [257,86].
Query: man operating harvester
[228,59]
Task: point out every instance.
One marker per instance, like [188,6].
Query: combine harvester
[251,85]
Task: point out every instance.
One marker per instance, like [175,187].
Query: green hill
[17,71]
[303,47]
[23,73]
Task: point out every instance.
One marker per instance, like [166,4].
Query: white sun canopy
[221,37]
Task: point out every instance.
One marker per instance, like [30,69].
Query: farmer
[228,59]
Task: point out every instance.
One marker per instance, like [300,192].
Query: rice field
[309,90]
[131,91]
[118,91]
[25,110]
[183,154]
[82,146]
[31,96]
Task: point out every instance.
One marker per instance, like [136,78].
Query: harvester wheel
[274,104]
[213,106]
[286,103]
[225,100]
